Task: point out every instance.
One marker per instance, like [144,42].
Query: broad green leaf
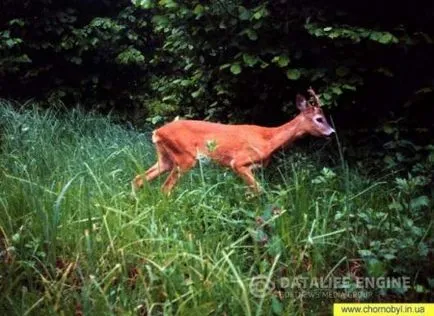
[250,60]
[156,119]
[197,93]
[388,129]
[386,38]
[389,256]
[327,96]
[130,55]
[349,87]
[146,4]
[169,98]
[282,60]
[251,34]
[337,90]
[375,36]
[18,22]
[160,20]
[333,34]
[243,13]
[170,4]
[10,42]
[236,69]
[224,66]
[259,14]
[419,202]
[185,82]
[293,74]
[198,9]
[365,253]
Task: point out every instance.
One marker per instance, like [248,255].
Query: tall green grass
[73,240]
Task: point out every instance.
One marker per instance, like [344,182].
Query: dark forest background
[232,61]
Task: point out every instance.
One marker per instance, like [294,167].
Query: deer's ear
[301,102]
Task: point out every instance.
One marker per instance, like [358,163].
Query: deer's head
[312,116]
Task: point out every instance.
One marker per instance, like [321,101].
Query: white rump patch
[155,138]
[232,163]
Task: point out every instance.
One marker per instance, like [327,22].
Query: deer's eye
[320,120]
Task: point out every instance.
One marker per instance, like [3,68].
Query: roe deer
[179,144]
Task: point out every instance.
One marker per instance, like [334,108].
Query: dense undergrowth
[73,239]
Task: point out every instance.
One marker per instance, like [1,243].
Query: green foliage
[224,60]
[242,58]
[87,52]
[130,56]
[405,216]
[355,34]
[293,74]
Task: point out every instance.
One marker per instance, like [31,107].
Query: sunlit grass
[73,239]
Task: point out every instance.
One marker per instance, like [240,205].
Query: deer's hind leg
[182,162]
[163,164]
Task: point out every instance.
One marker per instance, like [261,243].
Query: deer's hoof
[252,194]
[137,183]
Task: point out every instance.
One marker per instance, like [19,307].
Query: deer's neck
[286,133]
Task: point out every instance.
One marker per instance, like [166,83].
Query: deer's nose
[330,131]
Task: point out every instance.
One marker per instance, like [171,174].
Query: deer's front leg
[245,172]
